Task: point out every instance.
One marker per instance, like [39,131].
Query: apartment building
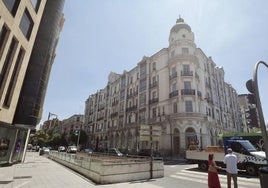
[70,126]
[29,31]
[173,99]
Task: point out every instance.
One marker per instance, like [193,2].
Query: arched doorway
[190,137]
[176,141]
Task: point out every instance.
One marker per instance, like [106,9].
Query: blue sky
[113,35]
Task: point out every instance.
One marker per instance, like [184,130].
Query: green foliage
[42,138]
[82,139]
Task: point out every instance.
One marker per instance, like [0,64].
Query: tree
[82,138]
[40,138]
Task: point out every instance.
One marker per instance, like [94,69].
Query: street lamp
[252,86]
[51,114]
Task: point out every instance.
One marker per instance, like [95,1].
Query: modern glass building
[29,32]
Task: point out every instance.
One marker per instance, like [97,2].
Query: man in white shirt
[231,161]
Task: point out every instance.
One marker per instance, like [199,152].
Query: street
[39,171]
[188,175]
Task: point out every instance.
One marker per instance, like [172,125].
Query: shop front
[12,144]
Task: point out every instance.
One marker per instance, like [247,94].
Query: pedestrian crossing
[201,177]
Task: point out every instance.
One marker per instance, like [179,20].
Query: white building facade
[175,98]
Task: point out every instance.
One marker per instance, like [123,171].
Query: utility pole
[252,86]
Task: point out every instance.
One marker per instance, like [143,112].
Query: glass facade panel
[14,78]
[7,64]
[4,33]
[35,4]
[26,24]
[19,146]
[12,6]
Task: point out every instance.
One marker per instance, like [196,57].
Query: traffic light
[251,117]
[251,99]
[250,86]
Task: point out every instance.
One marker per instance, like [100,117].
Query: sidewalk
[41,172]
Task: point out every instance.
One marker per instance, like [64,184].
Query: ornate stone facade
[173,99]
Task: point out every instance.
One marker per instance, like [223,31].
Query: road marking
[201,177]
[18,186]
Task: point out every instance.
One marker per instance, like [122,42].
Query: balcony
[199,94]
[130,96]
[132,108]
[154,100]
[154,84]
[114,114]
[100,118]
[191,115]
[209,100]
[173,93]
[115,103]
[187,92]
[174,75]
[101,107]
[187,73]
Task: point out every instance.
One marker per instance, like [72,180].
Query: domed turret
[180,24]
[181,32]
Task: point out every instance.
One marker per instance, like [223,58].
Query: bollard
[264,176]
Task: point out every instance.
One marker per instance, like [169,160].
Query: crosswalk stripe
[201,177]
[223,176]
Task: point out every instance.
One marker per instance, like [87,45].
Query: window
[143,70]
[26,24]
[175,107]
[185,51]
[35,4]
[14,78]
[153,94]
[122,95]
[143,85]
[142,99]
[154,79]
[186,68]
[12,6]
[172,54]
[173,70]
[187,85]
[154,66]
[188,106]
[174,87]
[7,64]
[4,33]
[154,113]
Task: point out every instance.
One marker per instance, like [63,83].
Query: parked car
[61,149]
[115,151]
[36,148]
[71,149]
[88,151]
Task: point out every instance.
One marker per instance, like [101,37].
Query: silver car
[71,149]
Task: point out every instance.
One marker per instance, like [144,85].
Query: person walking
[231,161]
[213,177]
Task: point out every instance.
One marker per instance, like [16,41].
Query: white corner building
[175,98]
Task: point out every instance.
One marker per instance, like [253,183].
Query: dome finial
[180,19]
